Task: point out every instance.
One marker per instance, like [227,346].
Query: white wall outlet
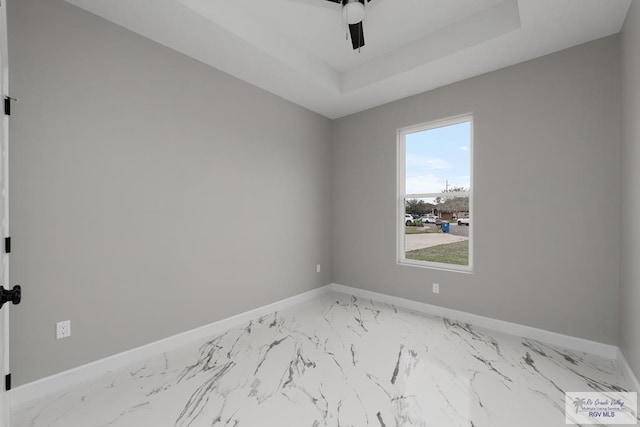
[63,329]
[318,268]
[436,288]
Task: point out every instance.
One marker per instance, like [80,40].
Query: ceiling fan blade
[337,1]
[357,35]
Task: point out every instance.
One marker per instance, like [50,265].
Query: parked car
[408,219]
[464,221]
[430,219]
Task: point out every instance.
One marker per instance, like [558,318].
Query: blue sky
[437,155]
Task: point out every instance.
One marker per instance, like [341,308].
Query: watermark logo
[601,408]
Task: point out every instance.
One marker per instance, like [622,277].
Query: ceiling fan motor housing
[353,11]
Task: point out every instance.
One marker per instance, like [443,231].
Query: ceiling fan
[353,14]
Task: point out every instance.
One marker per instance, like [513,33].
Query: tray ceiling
[297,48]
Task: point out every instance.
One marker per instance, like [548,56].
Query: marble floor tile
[337,361]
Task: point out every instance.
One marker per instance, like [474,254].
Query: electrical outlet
[318,268]
[436,288]
[63,329]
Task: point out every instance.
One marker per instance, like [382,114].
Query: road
[459,230]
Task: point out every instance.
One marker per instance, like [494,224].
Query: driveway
[421,241]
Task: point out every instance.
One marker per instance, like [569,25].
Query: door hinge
[7,245]
[7,105]
[7,382]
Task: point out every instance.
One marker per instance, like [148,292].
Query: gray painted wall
[150,193]
[547,156]
[630,212]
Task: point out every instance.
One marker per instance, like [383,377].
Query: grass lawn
[420,230]
[451,253]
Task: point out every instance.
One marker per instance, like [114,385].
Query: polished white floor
[337,361]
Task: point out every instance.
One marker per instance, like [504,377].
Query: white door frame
[4,217]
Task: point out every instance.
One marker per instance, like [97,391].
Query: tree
[417,207]
[453,204]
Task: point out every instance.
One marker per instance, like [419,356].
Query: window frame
[401,195]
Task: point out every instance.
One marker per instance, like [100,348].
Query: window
[435,194]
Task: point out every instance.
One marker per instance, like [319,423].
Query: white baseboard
[626,369]
[53,383]
[566,341]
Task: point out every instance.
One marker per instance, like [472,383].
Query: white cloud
[461,181]
[464,148]
[417,184]
[426,162]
